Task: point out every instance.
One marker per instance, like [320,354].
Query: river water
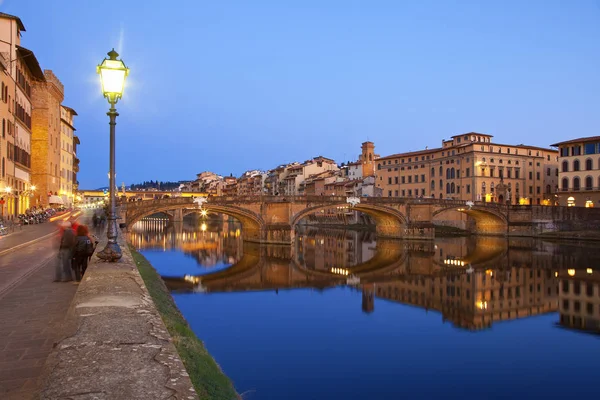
[342,315]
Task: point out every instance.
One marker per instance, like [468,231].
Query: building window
[403,179]
[565,184]
[396,193]
[530,189]
[468,189]
[389,193]
[396,180]
[403,193]
[538,190]
[441,187]
[432,172]
[410,179]
[576,165]
[468,172]
[590,148]
[588,164]
[589,289]
[409,192]
[530,175]
[432,184]
[537,176]
[589,184]
[576,183]
[389,180]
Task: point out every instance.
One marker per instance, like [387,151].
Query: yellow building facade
[472,167]
[67,154]
[20,70]
[579,174]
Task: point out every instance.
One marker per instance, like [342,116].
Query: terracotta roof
[429,151]
[70,110]
[412,153]
[472,133]
[580,140]
[19,22]
[32,62]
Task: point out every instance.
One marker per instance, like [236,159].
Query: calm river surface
[342,315]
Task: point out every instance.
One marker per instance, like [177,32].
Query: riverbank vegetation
[208,379]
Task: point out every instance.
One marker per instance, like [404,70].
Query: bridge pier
[279,234]
[177,214]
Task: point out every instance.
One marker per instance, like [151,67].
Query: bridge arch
[389,221]
[253,225]
[488,220]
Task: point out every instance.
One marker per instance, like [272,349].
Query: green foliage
[208,379]
[167,186]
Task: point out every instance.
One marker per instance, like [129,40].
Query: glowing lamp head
[8,189]
[32,187]
[112,76]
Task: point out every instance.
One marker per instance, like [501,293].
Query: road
[32,308]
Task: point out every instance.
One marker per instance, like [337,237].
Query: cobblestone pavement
[32,308]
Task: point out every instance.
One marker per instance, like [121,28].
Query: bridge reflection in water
[471,281]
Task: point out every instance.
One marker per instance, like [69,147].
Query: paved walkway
[32,308]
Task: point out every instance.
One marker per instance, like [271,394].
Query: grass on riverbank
[208,379]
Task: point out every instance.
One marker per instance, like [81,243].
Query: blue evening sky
[234,85]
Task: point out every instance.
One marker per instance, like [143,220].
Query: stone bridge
[273,219]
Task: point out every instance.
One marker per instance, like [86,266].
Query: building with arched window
[471,167]
[20,70]
[579,174]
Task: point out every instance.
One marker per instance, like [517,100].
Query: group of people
[98,219]
[75,249]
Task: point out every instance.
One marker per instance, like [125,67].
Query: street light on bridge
[112,76]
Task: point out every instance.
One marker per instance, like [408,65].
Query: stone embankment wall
[115,344]
[560,222]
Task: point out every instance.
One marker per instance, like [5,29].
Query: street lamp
[112,76]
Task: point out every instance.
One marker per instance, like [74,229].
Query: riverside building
[472,167]
[19,71]
[579,175]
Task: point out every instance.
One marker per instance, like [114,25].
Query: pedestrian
[84,248]
[62,272]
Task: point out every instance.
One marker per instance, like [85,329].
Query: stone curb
[20,246]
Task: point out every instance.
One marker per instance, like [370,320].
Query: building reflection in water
[472,282]
[579,299]
[210,242]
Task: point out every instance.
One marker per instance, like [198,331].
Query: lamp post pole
[112,74]
[112,251]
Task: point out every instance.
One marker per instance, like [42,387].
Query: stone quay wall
[114,344]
